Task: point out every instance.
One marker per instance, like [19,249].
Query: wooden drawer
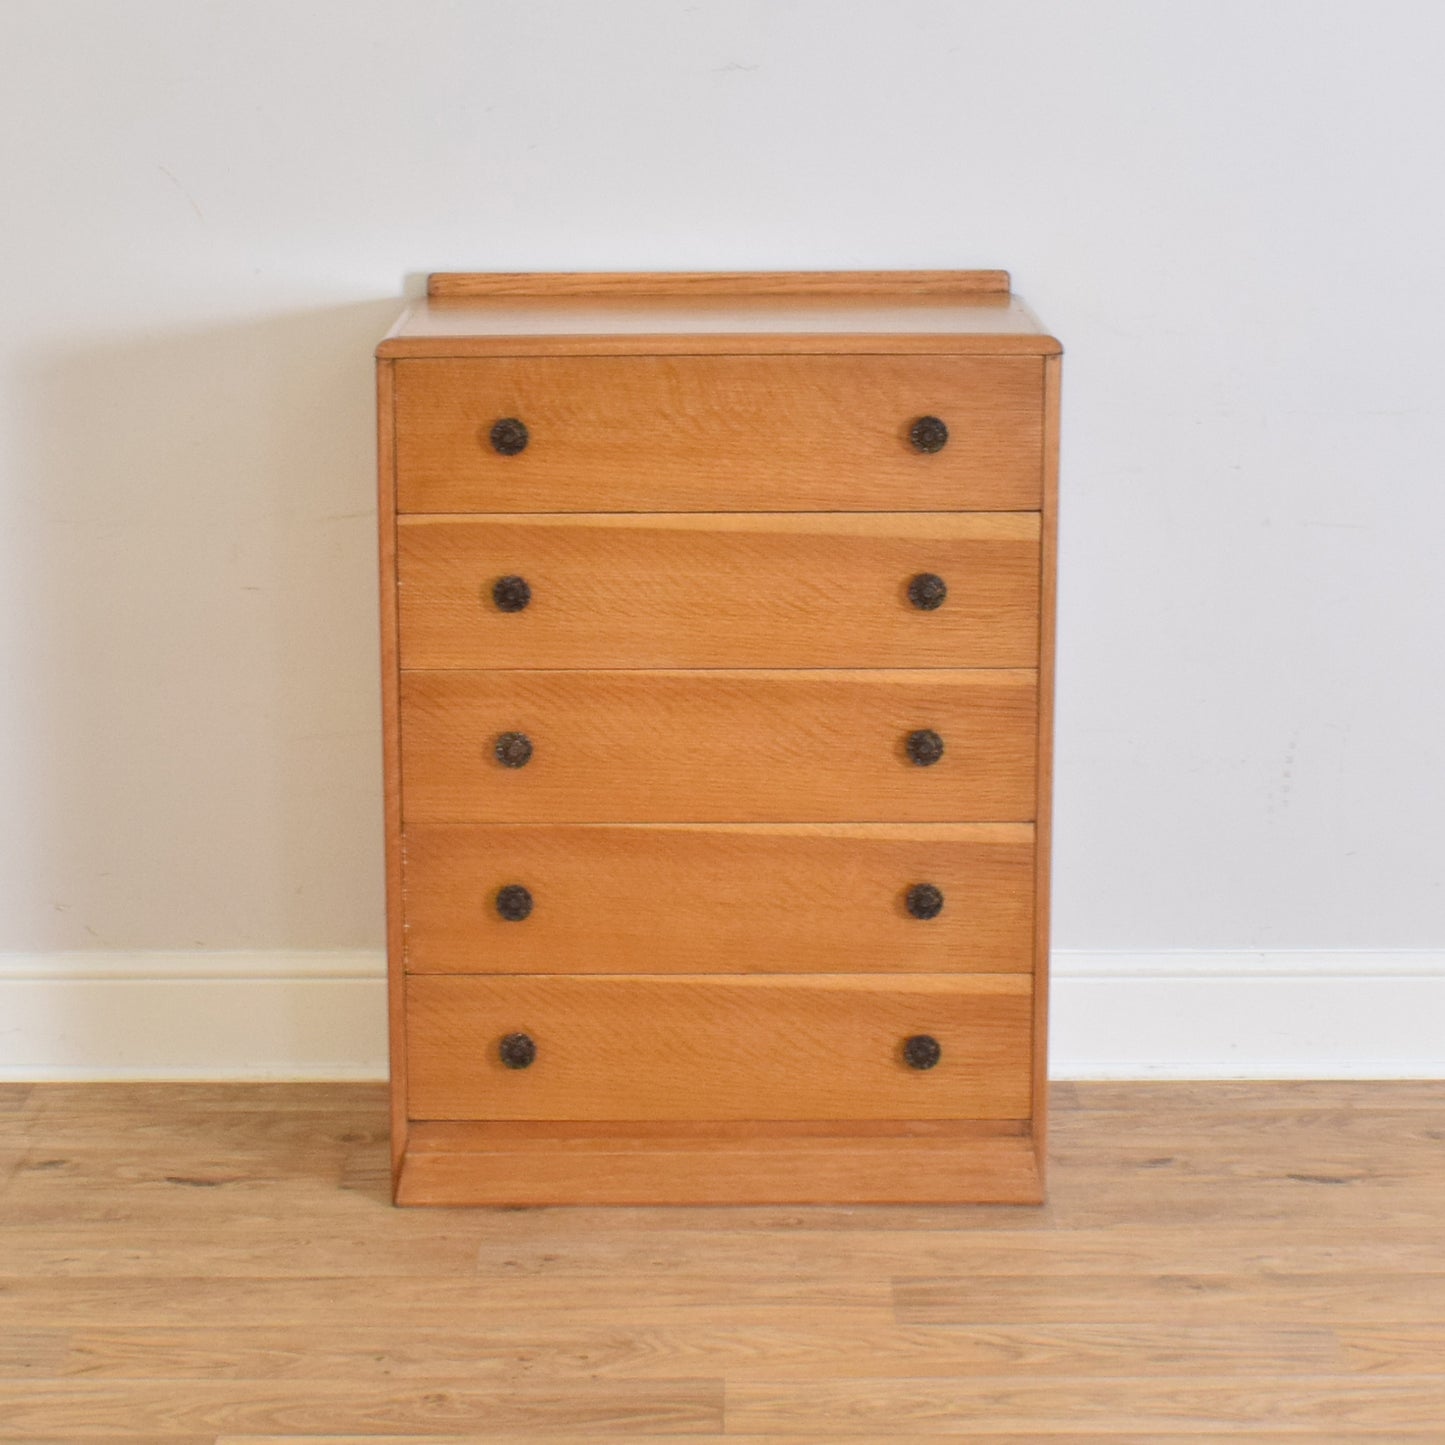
[718,746]
[720,1047]
[759,898]
[720,590]
[719,433]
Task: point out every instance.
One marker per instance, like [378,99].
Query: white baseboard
[1231,1014]
[1160,1015]
[202,1015]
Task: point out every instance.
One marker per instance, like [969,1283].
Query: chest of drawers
[717,655]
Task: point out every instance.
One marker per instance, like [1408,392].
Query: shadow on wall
[198,681]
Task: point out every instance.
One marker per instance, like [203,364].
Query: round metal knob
[928,434]
[514,750]
[924,900]
[517,1051]
[925,747]
[926,591]
[512,594]
[921,1051]
[514,902]
[510,436]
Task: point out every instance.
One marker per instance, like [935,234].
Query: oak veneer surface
[720,590]
[749,313]
[719,433]
[732,286]
[710,1047]
[718,489]
[391,750]
[679,898]
[756,1162]
[1217,1263]
[718,746]
[1044,740]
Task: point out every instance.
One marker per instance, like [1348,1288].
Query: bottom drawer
[717,1047]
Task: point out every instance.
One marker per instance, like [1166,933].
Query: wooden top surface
[477,314]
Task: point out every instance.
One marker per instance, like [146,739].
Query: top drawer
[719,433]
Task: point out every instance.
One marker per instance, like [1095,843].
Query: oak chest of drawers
[717,667]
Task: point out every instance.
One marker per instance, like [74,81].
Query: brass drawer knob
[928,434]
[512,594]
[924,900]
[510,436]
[514,902]
[924,747]
[517,1051]
[926,591]
[921,1051]
[514,750]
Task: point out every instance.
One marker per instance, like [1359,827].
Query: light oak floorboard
[145,1409]
[151,1438]
[219,1265]
[1052,1437]
[843,1408]
[784,1345]
[25,1354]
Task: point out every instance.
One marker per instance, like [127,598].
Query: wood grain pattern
[1361,1297]
[760,898]
[718,746]
[933,1408]
[621,1409]
[285,1301]
[407,1303]
[391,748]
[715,1047]
[440,332]
[665,1256]
[729,284]
[583,323]
[719,433]
[788,1350]
[1044,804]
[1062,1436]
[720,590]
[765,1164]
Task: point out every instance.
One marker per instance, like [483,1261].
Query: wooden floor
[218,1265]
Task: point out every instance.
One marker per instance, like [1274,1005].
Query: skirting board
[1158,1015]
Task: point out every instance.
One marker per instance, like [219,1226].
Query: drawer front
[720,590]
[718,746]
[719,433]
[699,1047]
[761,898]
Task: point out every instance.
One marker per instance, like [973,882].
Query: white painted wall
[1231,212]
